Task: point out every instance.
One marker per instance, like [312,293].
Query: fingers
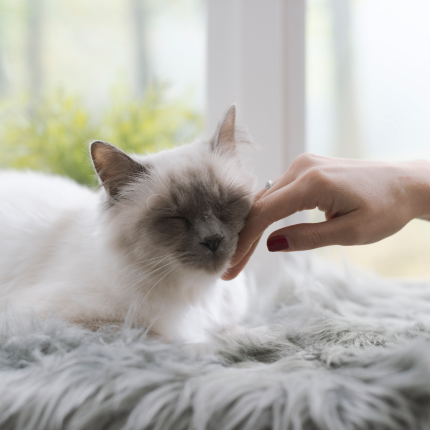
[233,271]
[260,194]
[278,205]
[302,237]
[285,197]
[243,251]
[300,165]
[253,229]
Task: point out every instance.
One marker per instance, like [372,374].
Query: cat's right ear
[224,140]
[114,167]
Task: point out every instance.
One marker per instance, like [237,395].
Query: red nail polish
[278,243]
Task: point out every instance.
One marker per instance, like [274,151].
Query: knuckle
[261,211]
[302,158]
[306,159]
[301,161]
[305,162]
[257,221]
[256,209]
[318,176]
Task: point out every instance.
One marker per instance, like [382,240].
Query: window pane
[131,72]
[369,97]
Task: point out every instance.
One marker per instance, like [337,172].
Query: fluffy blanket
[333,351]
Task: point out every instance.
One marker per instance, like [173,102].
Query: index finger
[233,271]
[276,206]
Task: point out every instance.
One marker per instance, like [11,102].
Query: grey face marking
[196,213]
[200,220]
[207,214]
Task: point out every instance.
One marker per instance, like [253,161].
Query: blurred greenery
[53,135]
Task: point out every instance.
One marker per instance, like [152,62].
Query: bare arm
[363,202]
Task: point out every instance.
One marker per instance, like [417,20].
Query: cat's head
[187,204]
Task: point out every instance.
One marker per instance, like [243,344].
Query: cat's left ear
[114,167]
[224,140]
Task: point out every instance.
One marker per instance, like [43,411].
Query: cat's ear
[224,140]
[114,167]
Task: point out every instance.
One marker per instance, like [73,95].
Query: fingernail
[278,243]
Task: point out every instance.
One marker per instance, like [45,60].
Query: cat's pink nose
[212,242]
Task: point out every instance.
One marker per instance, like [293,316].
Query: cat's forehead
[204,194]
[197,180]
[197,186]
[180,157]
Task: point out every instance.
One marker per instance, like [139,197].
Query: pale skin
[363,201]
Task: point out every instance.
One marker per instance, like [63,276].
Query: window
[368,96]
[364,92]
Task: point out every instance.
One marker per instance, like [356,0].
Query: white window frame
[256,58]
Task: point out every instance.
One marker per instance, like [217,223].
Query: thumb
[301,237]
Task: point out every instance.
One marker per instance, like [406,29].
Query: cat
[149,245]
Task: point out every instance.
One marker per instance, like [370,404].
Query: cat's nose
[212,242]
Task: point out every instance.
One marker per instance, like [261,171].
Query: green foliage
[53,136]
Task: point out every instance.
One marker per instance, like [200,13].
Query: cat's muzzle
[212,242]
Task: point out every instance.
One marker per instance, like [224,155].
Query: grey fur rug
[334,351]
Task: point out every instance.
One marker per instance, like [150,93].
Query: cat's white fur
[57,257]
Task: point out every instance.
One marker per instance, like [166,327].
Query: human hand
[363,202]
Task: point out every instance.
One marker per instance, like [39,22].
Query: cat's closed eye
[181,218]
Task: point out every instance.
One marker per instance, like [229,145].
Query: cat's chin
[205,276]
[215,266]
[215,270]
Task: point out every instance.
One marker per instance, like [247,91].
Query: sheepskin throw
[322,350]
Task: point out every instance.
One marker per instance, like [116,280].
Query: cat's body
[150,246]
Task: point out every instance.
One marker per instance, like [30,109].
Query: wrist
[416,176]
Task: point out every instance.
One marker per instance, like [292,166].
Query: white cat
[151,244]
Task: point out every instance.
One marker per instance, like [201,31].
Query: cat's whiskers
[152,263]
[127,254]
[148,274]
[139,280]
[165,274]
[149,263]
